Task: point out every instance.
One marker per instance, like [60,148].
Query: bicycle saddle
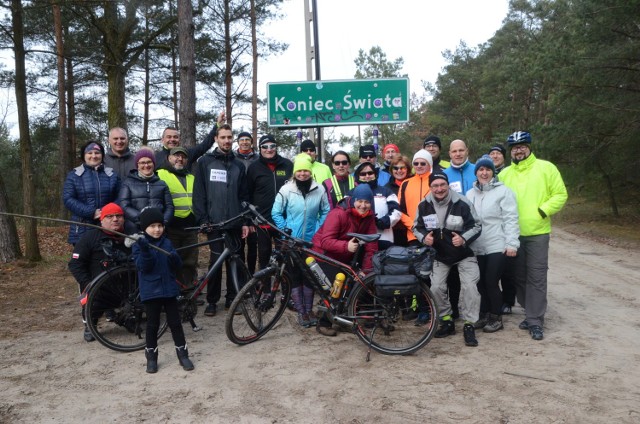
[365,238]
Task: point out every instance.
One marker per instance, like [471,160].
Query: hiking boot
[494,323]
[313,318]
[88,337]
[524,325]
[447,328]
[470,335]
[423,319]
[303,320]
[327,331]
[152,359]
[211,310]
[536,332]
[183,358]
[481,322]
[506,309]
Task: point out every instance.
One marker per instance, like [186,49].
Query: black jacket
[264,184]
[137,193]
[88,255]
[219,189]
[194,152]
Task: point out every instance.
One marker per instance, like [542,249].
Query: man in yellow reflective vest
[175,173]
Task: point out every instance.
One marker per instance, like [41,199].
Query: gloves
[174,258]
[130,240]
[383,223]
[143,244]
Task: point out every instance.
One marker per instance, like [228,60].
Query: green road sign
[340,102]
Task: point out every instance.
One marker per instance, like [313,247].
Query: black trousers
[214,287]
[491,267]
[154,308]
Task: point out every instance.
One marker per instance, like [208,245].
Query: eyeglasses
[519,147]
[420,163]
[310,149]
[365,174]
[368,156]
[114,216]
[442,185]
[268,146]
[145,163]
[399,168]
[340,162]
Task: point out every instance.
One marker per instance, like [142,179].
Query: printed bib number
[456,186]
[218,175]
[430,221]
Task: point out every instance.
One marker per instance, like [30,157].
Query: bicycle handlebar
[262,220]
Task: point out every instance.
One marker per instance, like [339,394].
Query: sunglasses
[368,156]
[420,163]
[399,168]
[340,162]
[364,174]
[309,150]
[268,146]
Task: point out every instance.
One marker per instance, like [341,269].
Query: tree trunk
[63,142]
[228,77]
[254,73]
[147,88]
[186,53]
[32,251]
[9,244]
[71,111]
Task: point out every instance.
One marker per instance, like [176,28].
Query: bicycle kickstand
[375,327]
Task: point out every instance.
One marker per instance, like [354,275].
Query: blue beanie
[362,192]
[487,162]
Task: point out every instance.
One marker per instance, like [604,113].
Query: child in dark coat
[158,287]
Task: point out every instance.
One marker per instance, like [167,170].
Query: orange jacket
[412,191]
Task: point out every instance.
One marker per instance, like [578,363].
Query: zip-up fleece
[303,215]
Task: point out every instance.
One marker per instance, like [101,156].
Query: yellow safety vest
[182,199]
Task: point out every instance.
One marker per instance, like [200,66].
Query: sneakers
[327,331]
[506,309]
[313,318]
[303,320]
[524,325]
[469,335]
[481,322]
[88,337]
[536,332]
[211,310]
[423,319]
[447,328]
[110,315]
[494,323]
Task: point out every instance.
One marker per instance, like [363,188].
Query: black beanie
[438,176]
[432,139]
[307,144]
[150,216]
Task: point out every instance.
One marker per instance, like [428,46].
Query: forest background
[567,71]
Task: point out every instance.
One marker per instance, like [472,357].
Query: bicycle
[376,320]
[114,312]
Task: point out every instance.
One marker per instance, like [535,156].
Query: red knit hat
[110,209]
[392,147]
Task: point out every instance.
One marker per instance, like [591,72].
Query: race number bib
[430,221]
[218,175]
[456,186]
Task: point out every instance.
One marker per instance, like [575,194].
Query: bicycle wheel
[115,315]
[257,308]
[382,322]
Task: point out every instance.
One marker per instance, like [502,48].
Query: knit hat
[150,216]
[110,209]
[307,144]
[244,134]
[432,139]
[487,162]
[302,162]
[391,146]
[500,148]
[438,176]
[423,154]
[145,153]
[362,192]
[367,150]
[267,138]
[93,146]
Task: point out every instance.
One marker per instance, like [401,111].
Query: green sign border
[337,102]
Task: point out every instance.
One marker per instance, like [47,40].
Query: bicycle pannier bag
[397,285]
[398,260]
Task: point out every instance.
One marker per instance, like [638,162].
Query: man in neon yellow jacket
[540,193]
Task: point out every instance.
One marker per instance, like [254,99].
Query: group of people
[494,231]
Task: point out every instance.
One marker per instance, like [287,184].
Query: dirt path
[584,371]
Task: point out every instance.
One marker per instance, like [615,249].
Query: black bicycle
[114,312]
[376,319]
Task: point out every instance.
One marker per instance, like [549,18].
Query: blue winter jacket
[85,190]
[461,179]
[157,271]
[303,215]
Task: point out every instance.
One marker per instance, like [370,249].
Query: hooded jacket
[461,179]
[495,205]
[460,218]
[264,183]
[193,153]
[122,165]
[156,270]
[85,190]
[137,193]
[537,184]
[219,189]
[332,240]
[302,214]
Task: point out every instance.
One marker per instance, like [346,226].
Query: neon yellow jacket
[320,172]
[537,184]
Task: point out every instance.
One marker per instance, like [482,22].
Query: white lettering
[279,106]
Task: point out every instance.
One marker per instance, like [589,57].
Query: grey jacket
[496,206]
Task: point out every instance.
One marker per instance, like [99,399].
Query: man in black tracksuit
[265,177]
[219,189]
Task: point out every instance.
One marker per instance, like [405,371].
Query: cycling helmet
[519,137]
